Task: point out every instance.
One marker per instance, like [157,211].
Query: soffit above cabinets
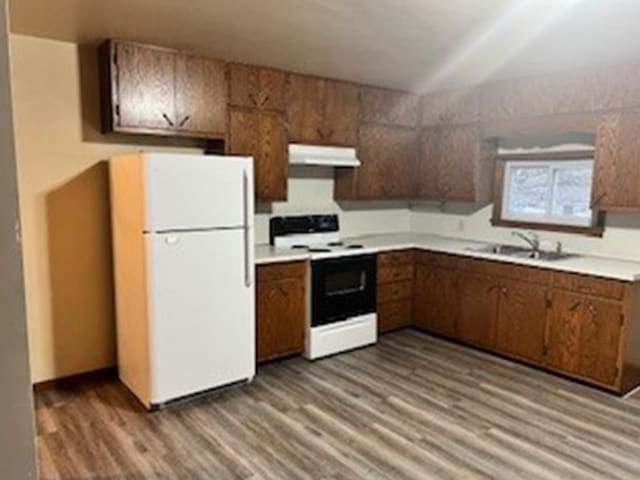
[415,45]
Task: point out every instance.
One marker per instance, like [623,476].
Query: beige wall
[65,206]
[17,459]
[621,238]
[64,200]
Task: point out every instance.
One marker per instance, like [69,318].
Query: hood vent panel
[322,156]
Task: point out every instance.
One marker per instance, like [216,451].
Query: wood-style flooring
[412,407]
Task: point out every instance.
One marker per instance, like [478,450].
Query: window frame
[500,216]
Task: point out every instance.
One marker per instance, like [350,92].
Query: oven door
[342,288]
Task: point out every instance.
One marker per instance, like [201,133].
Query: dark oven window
[342,288]
[345,283]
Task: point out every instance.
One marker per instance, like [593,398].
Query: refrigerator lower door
[202,312]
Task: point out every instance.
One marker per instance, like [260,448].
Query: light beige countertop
[584,264]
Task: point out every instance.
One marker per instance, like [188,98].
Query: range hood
[322,156]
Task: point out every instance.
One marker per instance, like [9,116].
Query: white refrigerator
[184,273]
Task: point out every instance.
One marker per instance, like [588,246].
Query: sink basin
[520,252]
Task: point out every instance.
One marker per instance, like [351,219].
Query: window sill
[593,231]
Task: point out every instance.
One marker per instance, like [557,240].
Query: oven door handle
[345,291]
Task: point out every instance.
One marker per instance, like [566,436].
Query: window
[547,192]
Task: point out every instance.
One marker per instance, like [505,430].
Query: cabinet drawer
[390,292]
[437,259]
[266,273]
[393,315]
[506,270]
[395,258]
[599,287]
[395,274]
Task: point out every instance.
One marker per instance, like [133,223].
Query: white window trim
[546,219]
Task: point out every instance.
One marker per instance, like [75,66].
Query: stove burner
[319,250]
[335,244]
[355,246]
[299,247]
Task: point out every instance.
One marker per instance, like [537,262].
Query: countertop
[624,270]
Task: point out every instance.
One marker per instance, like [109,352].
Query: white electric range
[341,284]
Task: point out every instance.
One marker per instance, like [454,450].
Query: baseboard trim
[72,380]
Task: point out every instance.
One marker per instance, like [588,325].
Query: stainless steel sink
[520,252]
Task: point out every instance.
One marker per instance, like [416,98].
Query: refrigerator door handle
[248,267]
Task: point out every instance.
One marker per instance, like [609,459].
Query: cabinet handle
[264,100]
[185,120]
[330,134]
[283,291]
[492,288]
[168,120]
[504,291]
[253,99]
[575,306]
[320,133]
[593,310]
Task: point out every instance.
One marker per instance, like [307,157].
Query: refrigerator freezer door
[192,192]
[202,310]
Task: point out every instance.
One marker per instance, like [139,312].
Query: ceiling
[412,44]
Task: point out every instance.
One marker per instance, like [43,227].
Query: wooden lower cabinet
[395,292]
[520,329]
[281,310]
[478,299]
[572,324]
[435,299]
[584,336]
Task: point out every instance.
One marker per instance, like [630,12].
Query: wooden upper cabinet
[450,107]
[616,178]
[387,155]
[257,87]
[143,83]
[322,111]
[454,164]
[389,107]
[522,320]
[262,135]
[159,91]
[200,96]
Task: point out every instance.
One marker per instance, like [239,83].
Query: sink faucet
[531,238]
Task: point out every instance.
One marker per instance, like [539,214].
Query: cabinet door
[200,96]
[280,318]
[272,159]
[564,331]
[478,309]
[522,320]
[145,84]
[456,165]
[305,111]
[341,113]
[389,107]
[436,299]
[426,172]
[262,135]
[256,87]
[387,155]
[600,340]
[616,177]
